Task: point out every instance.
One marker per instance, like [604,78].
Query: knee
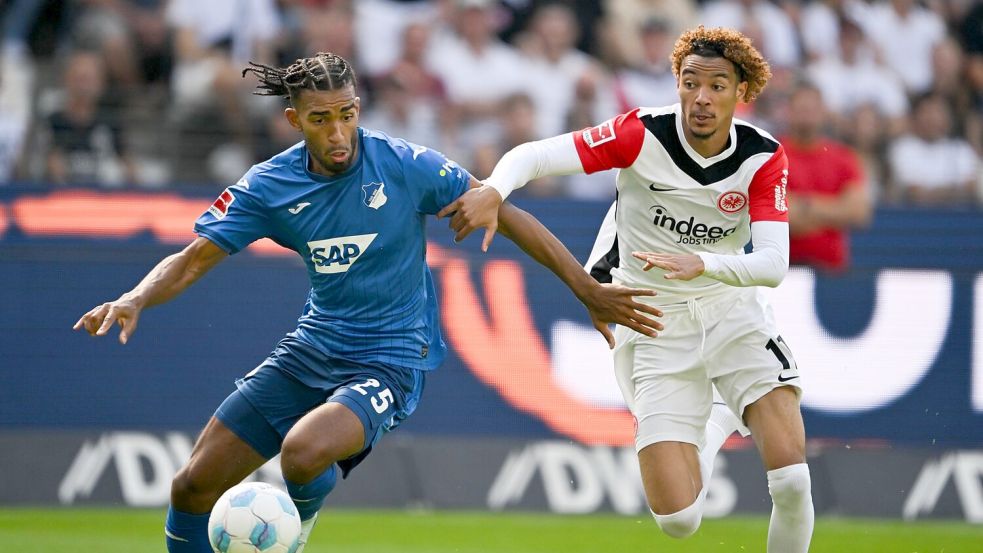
[683,523]
[302,461]
[192,492]
[790,484]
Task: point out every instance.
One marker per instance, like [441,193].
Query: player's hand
[616,304]
[677,266]
[476,208]
[100,319]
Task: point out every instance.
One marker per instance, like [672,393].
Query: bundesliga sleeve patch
[595,136]
[220,208]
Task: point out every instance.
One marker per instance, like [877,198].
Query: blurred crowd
[149,93]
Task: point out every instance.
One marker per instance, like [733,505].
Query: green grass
[139,531]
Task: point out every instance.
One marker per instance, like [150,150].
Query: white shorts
[729,341]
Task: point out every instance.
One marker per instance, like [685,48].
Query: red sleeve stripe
[767,189]
[614,143]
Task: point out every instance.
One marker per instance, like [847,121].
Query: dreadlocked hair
[730,45]
[322,71]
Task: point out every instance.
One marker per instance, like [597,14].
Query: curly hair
[730,45]
[322,71]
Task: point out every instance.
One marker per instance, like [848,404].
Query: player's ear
[292,117]
[742,91]
[358,105]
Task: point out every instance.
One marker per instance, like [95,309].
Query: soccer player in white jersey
[695,186]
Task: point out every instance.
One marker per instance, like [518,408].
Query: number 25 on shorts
[380,401]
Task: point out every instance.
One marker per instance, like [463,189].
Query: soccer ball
[254,517]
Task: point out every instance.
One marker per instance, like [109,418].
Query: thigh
[373,401]
[219,460]
[671,476]
[220,455]
[776,425]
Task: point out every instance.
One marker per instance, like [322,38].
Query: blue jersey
[362,236]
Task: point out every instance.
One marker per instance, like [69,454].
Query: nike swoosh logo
[299,207]
[654,189]
[782,379]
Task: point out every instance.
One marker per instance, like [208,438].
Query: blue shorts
[297,378]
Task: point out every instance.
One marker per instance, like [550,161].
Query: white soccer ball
[254,517]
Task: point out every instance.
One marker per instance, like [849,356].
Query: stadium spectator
[379,29]
[518,125]
[624,23]
[355,367]
[853,77]
[211,100]
[328,28]
[396,110]
[411,98]
[762,21]
[650,82]
[16,82]
[100,25]
[905,34]
[929,166]
[478,70]
[819,28]
[865,133]
[555,66]
[86,144]
[827,191]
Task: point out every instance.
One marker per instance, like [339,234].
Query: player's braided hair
[730,45]
[322,71]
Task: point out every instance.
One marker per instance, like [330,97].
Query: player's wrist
[133,299]
[503,189]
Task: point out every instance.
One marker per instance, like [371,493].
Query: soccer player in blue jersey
[352,203]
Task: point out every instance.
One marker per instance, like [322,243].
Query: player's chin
[702,131]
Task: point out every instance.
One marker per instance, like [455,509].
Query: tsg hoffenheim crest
[374,195]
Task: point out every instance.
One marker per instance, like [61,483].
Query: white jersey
[673,200]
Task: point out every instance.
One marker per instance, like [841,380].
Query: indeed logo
[690,232]
[337,255]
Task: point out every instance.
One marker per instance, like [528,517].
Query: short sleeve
[768,188]
[614,143]
[235,219]
[433,180]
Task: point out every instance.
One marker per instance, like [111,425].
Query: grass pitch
[140,531]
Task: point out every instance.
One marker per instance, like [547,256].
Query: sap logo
[578,479]
[337,255]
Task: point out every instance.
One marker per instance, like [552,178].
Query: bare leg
[219,460]
[673,486]
[776,425]
[330,433]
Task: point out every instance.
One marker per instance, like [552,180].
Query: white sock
[306,526]
[723,422]
[792,514]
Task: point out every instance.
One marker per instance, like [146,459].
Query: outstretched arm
[605,303]
[164,282]
[478,207]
